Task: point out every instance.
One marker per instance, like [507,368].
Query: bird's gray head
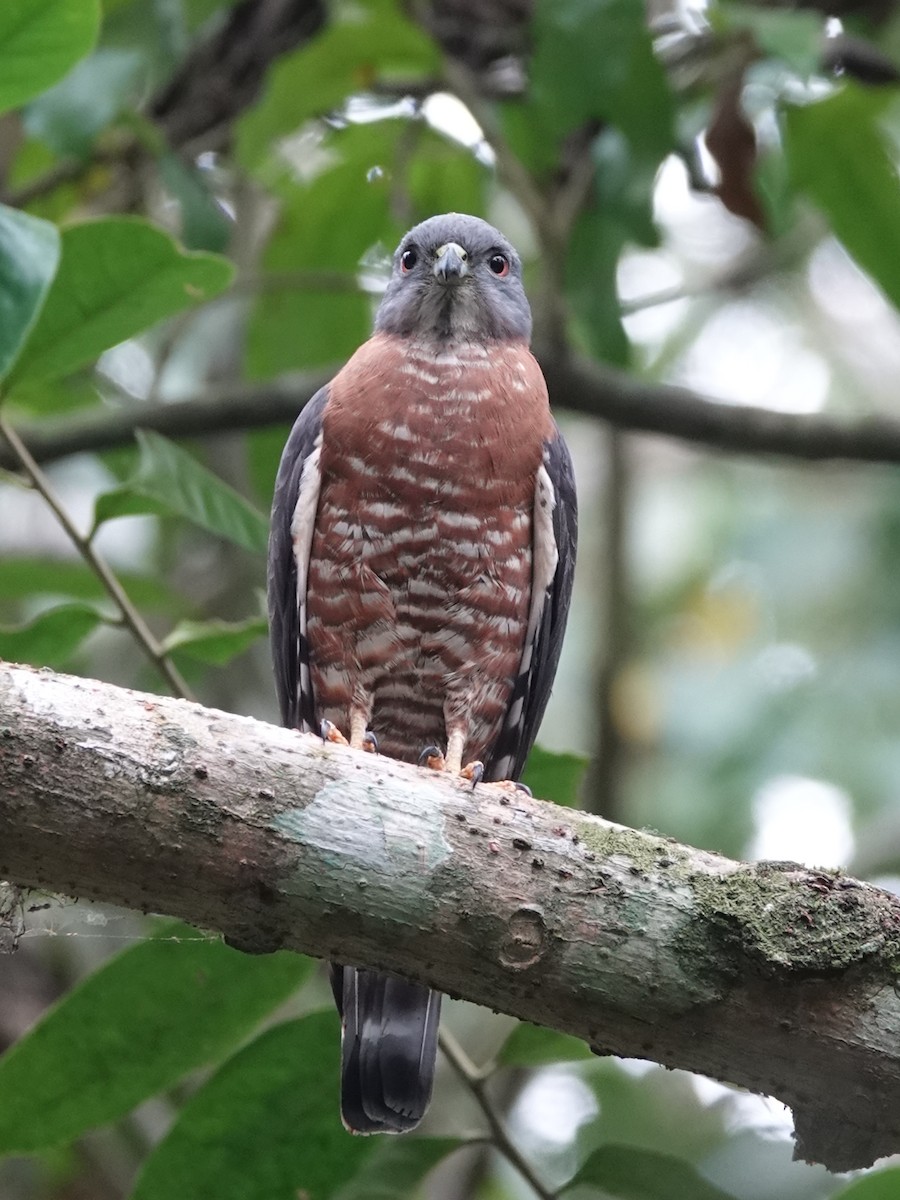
[455,278]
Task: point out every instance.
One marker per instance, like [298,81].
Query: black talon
[370,742]
[429,752]
[477,769]
[523,787]
[325,727]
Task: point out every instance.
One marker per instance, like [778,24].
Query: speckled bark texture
[775,977]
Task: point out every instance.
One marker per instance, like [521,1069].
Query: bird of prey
[420,571]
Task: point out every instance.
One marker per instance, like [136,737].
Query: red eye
[499,264]
[408,260]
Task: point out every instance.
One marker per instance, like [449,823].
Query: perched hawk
[420,572]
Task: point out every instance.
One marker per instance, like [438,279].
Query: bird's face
[455,279]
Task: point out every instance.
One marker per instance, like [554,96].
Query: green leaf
[299,328]
[443,176]
[373,41]
[592,261]
[29,257]
[204,225]
[593,59]
[24,577]
[625,182]
[62,397]
[216,642]
[622,213]
[303,328]
[117,276]
[397,1167]
[265,1127]
[264,449]
[170,482]
[134,1027]
[51,638]
[840,158]
[39,41]
[69,116]
[880,1185]
[555,776]
[630,1173]
[532,1046]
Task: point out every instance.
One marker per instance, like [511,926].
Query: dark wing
[290,540]
[553,557]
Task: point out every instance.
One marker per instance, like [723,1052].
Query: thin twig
[130,615]
[474,1081]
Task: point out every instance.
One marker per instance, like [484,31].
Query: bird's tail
[388,1049]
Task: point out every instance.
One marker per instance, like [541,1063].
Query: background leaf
[397,1167]
[879,1185]
[29,257]
[629,1173]
[134,1027]
[839,157]
[39,41]
[117,276]
[265,1127]
[531,1046]
[594,59]
[374,40]
[69,116]
[555,776]
[216,642]
[170,481]
[24,576]
[52,637]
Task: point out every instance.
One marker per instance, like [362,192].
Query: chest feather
[422,427]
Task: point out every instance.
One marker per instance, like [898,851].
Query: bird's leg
[361,737]
[456,743]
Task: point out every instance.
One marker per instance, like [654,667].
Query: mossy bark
[772,976]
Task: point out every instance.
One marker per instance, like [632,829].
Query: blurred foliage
[753,686]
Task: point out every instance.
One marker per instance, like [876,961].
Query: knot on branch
[525,940]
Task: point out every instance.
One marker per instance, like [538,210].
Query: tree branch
[777,978]
[576,384]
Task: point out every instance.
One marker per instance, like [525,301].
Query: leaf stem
[130,615]
[475,1081]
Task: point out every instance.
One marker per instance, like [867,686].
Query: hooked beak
[450,264]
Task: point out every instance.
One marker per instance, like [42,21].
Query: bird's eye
[408,260]
[499,264]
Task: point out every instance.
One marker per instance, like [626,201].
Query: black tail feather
[388,1049]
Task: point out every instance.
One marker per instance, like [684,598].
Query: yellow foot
[367,740]
[331,733]
[473,771]
[432,758]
